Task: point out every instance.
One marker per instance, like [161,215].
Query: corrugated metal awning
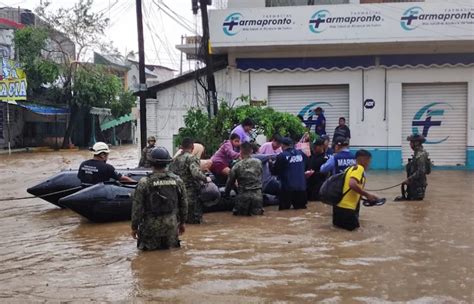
[354,62]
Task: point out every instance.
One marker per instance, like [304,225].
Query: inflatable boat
[112,201]
[66,182]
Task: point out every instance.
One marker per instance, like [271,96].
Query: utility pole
[181,58]
[141,74]
[211,93]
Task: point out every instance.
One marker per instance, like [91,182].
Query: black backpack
[331,190]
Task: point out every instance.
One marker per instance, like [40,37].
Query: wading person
[342,130]
[317,159]
[413,188]
[144,162]
[224,156]
[248,175]
[346,213]
[187,166]
[244,129]
[159,207]
[96,170]
[341,160]
[290,166]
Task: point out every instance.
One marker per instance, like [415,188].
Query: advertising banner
[346,23]
[12,81]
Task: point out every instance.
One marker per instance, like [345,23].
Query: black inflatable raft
[112,201]
[66,182]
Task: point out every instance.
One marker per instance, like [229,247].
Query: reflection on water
[418,252]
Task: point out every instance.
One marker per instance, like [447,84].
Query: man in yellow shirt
[346,213]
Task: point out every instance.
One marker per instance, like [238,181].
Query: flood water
[415,252]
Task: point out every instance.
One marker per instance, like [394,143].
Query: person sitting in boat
[96,170]
[222,159]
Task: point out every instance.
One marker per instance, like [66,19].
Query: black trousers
[345,218]
[298,199]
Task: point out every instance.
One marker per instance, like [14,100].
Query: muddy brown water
[417,252]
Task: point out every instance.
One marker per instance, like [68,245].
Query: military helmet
[159,155]
[151,138]
[416,138]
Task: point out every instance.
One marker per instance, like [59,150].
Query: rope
[39,196]
[391,187]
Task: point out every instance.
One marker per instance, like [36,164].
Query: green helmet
[416,138]
[160,155]
[151,138]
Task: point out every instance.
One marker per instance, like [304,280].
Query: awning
[354,62]
[43,110]
[100,111]
[116,122]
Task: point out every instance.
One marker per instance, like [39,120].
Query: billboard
[13,83]
[346,23]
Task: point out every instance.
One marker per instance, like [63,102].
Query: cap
[286,141]
[100,147]
[341,141]
[416,137]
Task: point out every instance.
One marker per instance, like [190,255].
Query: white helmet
[100,147]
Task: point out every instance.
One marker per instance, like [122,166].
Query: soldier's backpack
[331,192]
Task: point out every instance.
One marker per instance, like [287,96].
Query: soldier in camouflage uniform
[187,166]
[144,160]
[159,206]
[413,188]
[248,174]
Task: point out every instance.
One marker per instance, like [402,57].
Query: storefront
[389,69]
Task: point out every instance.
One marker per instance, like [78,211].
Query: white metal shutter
[333,99]
[446,143]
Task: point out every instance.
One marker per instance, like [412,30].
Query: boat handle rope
[391,187]
[39,196]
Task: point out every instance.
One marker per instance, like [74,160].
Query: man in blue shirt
[341,160]
[320,122]
[290,167]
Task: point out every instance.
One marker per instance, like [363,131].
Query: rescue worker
[346,213]
[413,188]
[187,166]
[160,206]
[290,166]
[96,170]
[144,162]
[317,159]
[248,174]
[341,160]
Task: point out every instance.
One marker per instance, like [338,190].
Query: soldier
[160,206]
[248,174]
[413,188]
[187,166]
[144,162]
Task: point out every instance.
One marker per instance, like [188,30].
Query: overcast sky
[159,46]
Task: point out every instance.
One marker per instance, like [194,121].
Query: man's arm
[230,181]
[420,169]
[138,209]
[182,205]
[354,185]
[229,151]
[348,132]
[329,165]
[195,168]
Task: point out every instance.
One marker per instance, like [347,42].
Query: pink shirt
[267,148]
[225,154]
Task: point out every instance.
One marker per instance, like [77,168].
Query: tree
[29,43]
[85,29]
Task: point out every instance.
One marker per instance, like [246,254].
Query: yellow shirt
[351,199]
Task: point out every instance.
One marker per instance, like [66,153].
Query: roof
[151,92]
[43,109]
[116,122]
[111,60]
[152,66]
[10,24]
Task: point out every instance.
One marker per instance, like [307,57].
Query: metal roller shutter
[302,100]
[438,111]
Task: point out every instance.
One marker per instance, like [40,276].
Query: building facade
[391,69]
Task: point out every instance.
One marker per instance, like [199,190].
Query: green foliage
[29,42]
[123,104]
[212,132]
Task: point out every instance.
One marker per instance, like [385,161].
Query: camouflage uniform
[159,206]
[145,159]
[187,167]
[248,174]
[417,168]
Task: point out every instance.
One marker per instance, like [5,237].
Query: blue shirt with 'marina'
[290,166]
